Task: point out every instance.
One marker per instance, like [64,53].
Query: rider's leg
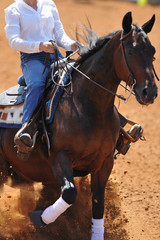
[35,79]
[126,137]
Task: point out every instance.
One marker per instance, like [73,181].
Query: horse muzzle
[146,95]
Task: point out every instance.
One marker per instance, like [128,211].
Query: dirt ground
[132,205]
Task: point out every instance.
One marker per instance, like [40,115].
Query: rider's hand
[74,46]
[46,47]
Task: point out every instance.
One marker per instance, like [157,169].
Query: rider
[30,24]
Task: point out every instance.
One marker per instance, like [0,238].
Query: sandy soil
[132,205]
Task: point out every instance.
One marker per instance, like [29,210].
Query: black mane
[93,44]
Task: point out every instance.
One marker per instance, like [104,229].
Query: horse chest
[90,155]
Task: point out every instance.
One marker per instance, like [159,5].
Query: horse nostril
[145,92]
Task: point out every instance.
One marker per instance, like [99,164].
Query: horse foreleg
[98,183]
[63,172]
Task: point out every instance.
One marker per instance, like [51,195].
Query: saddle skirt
[12,101]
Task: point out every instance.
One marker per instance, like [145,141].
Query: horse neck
[101,69]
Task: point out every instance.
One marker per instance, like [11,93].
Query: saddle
[13,96]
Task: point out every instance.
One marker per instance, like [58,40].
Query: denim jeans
[32,67]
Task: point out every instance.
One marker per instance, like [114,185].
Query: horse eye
[153,59]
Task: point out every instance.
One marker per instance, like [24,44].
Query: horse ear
[127,22]
[147,27]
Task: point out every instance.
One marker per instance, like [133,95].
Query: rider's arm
[12,29]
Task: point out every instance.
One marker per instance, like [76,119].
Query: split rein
[64,62]
[132,84]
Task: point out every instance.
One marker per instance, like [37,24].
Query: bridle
[131,84]
[131,78]
[130,73]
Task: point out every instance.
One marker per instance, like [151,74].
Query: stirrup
[24,142]
[127,137]
[26,139]
[134,133]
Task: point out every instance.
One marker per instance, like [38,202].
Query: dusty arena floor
[132,205]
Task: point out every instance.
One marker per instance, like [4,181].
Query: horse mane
[92,43]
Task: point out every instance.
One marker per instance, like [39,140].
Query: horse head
[138,55]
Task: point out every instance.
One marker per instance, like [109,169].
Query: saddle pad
[11,116]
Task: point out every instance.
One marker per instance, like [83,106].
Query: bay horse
[86,126]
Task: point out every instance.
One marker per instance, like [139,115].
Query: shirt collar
[25,5]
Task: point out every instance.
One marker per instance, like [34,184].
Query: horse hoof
[36,219]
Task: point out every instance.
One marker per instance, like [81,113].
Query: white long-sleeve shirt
[26,27]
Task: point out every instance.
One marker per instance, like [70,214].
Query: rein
[97,84]
[102,87]
[65,62]
[131,76]
[155,71]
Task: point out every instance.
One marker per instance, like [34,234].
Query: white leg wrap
[51,213]
[97,229]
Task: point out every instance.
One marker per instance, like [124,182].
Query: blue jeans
[32,67]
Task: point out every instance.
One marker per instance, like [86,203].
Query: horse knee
[69,194]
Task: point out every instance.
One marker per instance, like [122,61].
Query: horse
[86,126]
